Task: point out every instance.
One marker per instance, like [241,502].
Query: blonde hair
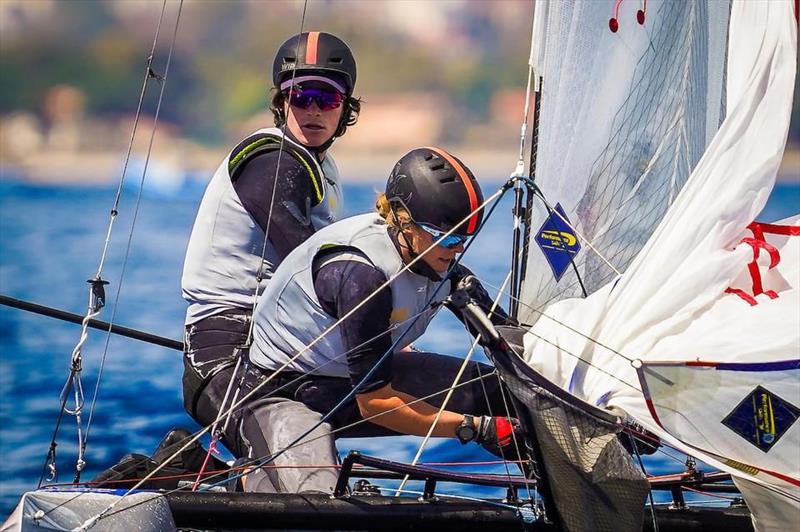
[396,217]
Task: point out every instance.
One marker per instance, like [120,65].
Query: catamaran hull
[256,511]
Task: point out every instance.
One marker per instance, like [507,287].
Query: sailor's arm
[397,411]
[347,287]
[284,207]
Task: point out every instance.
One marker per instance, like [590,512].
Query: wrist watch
[466,431]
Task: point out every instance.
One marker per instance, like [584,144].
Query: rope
[260,273]
[580,235]
[394,345]
[457,378]
[107,512]
[163,81]
[96,297]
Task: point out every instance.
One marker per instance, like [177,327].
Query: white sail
[624,119]
[677,302]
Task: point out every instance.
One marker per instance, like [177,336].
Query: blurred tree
[221,70]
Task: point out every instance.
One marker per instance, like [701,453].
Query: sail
[625,116]
[708,312]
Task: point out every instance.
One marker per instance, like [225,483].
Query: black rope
[649,486]
[526,235]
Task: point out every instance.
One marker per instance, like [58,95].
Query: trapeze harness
[224,262]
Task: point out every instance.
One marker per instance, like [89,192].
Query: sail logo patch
[762,418]
[558,242]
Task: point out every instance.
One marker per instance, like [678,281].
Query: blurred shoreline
[193,166]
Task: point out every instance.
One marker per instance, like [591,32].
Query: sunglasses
[450,241]
[325,99]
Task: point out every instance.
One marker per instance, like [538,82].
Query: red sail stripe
[744,295]
[473,196]
[758,228]
[311,47]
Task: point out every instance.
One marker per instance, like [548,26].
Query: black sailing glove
[480,296]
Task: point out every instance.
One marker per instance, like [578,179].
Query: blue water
[50,243]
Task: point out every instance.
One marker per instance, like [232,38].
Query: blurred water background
[50,243]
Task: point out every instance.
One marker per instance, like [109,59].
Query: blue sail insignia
[762,418]
[557,241]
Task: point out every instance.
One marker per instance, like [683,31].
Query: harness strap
[264,142]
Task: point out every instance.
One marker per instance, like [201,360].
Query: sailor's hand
[498,434]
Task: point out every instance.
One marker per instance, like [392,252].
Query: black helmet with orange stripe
[315,53]
[437,190]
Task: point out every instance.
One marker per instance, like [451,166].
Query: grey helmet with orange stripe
[315,52]
[437,190]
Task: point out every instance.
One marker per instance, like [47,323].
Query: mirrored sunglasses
[450,241]
[325,99]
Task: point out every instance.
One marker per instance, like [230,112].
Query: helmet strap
[420,267]
[336,134]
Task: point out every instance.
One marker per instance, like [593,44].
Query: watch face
[465,433]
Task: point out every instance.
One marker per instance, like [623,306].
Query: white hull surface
[47,510]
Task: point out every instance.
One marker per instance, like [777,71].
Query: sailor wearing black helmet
[281,181]
[342,271]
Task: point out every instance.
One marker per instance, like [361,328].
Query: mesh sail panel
[590,478]
[625,117]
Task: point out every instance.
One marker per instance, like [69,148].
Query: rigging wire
[550,211]
[97,294]
[260,272]
[503,391]
[338,357]
[517,445]
[649,487]
[578,357]
[580,235]
[447,397]
[197,435]
[538,310]
[497,196]
[709,494]
[107,512]
[163,82]
[265,461]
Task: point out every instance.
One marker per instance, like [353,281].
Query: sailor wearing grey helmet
[329,316]
[280,179]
